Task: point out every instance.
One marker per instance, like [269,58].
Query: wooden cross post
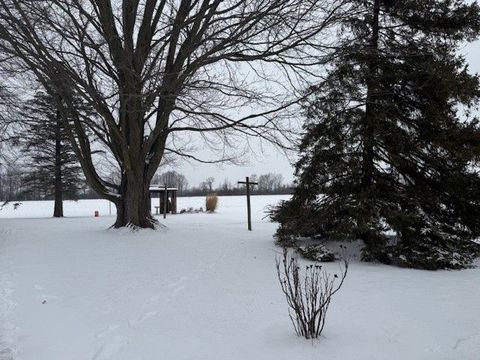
[249,211]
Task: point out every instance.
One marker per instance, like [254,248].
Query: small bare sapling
[308,293]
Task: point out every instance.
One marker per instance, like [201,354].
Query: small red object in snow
[96,213]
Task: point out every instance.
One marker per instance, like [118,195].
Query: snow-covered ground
[206,288]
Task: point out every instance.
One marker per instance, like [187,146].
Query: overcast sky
[270,159]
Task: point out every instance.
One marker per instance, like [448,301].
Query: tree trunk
[367,202]
[368,166]
[133,206]
[58,182]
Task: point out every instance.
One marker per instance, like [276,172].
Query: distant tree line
[268,184]
[26,181]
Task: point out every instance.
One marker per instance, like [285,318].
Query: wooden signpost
[249,211]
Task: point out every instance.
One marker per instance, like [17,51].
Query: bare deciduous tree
[162,72]
[270,182]
[209,181]
[172,179]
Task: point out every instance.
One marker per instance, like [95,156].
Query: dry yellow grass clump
[211,202]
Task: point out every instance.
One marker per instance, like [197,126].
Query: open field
[206,288]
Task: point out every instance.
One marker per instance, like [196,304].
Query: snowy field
[206,288]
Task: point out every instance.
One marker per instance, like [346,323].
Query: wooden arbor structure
[167,199]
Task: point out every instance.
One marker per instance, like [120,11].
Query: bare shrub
[309,294]
[211,202]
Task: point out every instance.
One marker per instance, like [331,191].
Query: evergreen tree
[390,141]
[55,172]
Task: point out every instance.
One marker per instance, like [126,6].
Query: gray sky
[269,159]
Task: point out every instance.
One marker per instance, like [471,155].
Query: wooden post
[174,201]
[249,210]
[165,202]
[159,203]
[149,201]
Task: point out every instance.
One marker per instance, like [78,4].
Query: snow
[204,287]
